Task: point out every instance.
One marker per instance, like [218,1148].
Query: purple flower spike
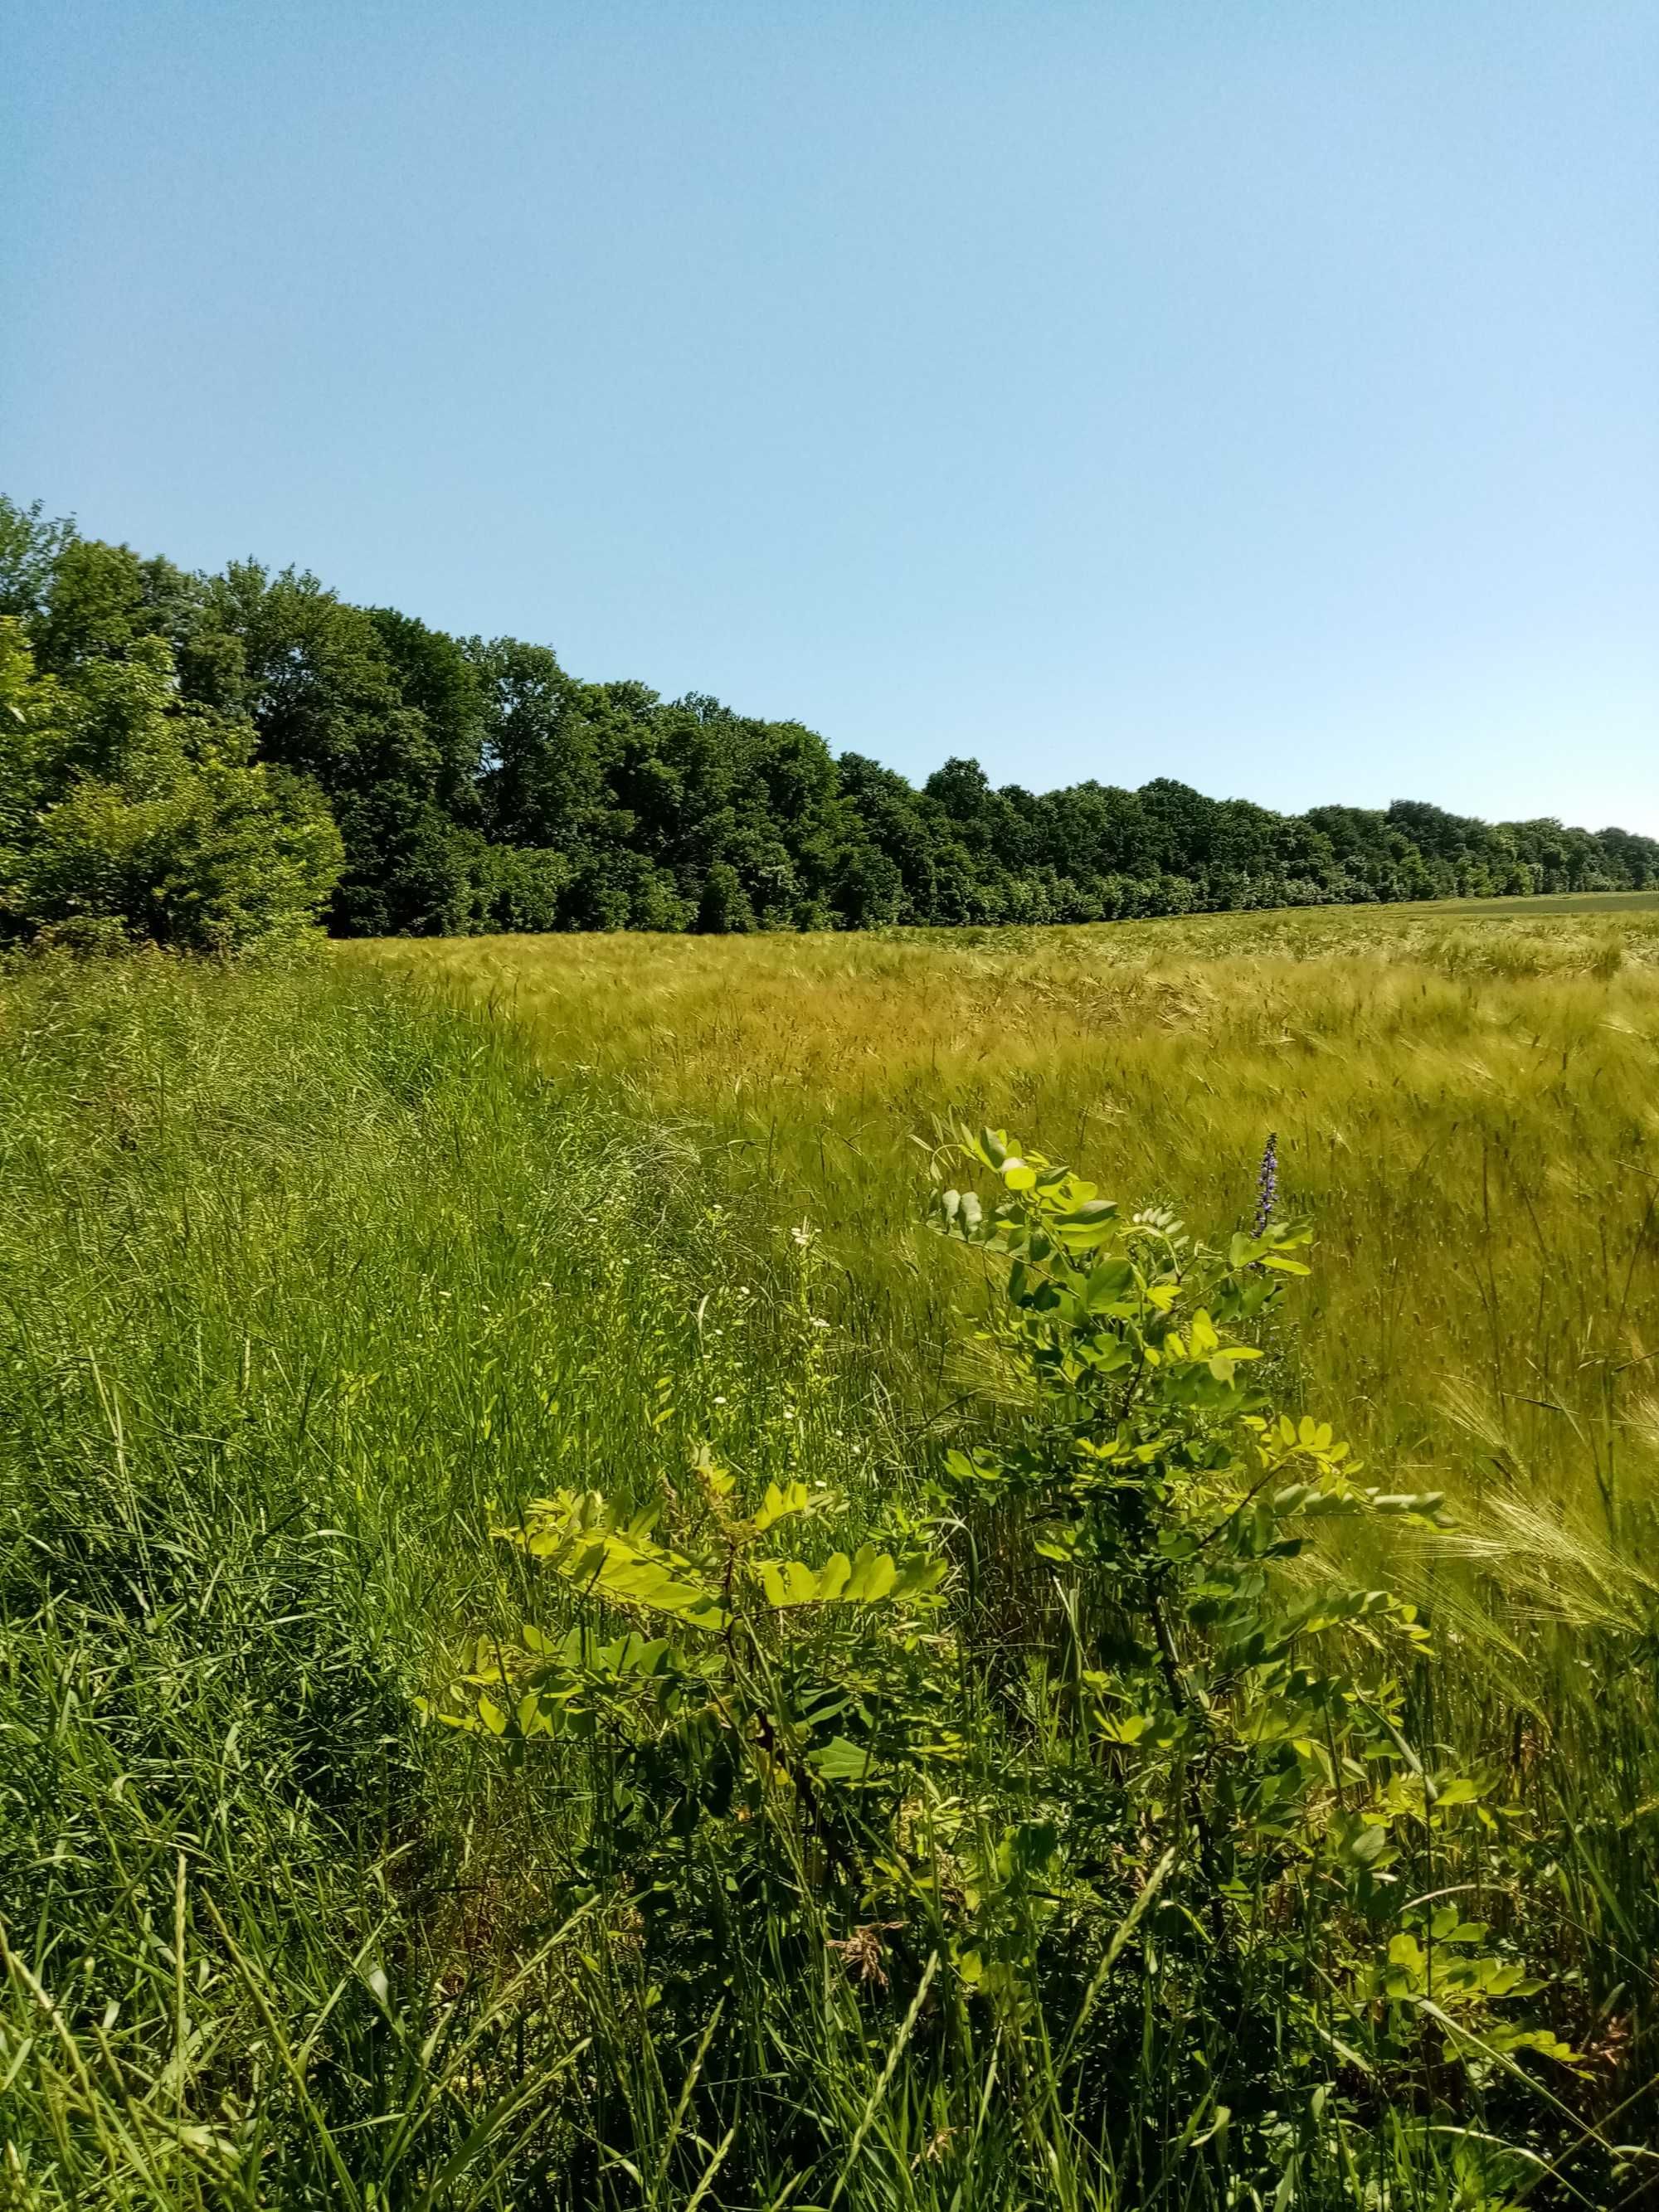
[1266,1184]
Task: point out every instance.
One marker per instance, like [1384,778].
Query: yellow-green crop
[1468,1107]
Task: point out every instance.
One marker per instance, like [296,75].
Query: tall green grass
[298,1280]
[305,1279]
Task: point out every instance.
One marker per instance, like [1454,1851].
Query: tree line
[211,759]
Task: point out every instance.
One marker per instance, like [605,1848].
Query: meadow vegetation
[922,1729]
[1465,1107]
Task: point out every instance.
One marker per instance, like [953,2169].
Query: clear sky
[1263,393]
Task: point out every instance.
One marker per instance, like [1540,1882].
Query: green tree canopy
[476,785]
[128,813]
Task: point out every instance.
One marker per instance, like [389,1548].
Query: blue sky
[1264,393]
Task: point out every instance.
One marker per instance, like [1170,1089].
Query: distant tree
[878,810]
[1632,863]
[31,546]
[522,887]
[477,786]
[437,679]
[541,780]
[724,908]
[102,599]
[961,793]
[868,890]
[128,814]
[320,687]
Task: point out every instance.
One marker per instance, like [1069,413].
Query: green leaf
[780,1505]
[792,1581]
[576,1537]
[1360,1843]
[1109,1285]
[622,1575]
[838,1760]
[1457,1789]
[1532,2039]
[867,1578]
[992,1147]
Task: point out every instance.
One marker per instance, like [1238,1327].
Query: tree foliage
[127,814]
[477,786]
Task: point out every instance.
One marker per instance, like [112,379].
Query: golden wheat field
[1467,1102]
